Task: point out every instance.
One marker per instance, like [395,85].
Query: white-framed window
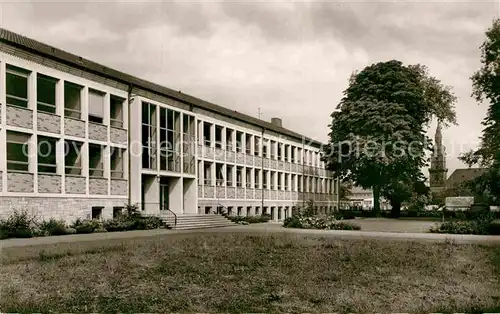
[73,157]
[96,165]
[18,151]
[96,106]
[16,86]
[46,93]
[46,151]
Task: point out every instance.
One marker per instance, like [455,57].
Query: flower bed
[22,225]
[328,223]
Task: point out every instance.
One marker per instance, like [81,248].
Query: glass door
[164,201]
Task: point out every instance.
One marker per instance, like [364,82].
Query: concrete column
[274,213]
[3,132]
[233,139]
[176,195]
[212,135]
[135,150]
[190,197]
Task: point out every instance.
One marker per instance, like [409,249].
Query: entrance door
[164,201]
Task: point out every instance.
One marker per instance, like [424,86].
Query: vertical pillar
[135,150]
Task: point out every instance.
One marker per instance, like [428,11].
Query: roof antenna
[259,113]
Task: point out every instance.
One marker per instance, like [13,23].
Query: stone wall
[98,132]
[67,209]
[47,122]
[20,117]
[49,183]
[20,182]
[74,127]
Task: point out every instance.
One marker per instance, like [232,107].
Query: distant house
[460,176]
[362,198]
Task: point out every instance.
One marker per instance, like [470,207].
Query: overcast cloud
[290,59]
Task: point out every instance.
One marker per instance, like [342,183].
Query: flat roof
[51,52]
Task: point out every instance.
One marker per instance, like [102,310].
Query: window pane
[46,89]
[17,85]
[96,104]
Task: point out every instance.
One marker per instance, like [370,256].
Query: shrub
[484,224]
[53,227]
[86,226]
[250,219]
[18,225]
[148,223]
[119,224]
[292,222]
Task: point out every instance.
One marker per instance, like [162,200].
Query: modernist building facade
[80,140]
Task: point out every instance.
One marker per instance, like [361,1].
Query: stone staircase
[194,221]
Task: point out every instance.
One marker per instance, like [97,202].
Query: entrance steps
[194,221]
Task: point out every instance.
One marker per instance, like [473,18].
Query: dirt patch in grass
[251,273]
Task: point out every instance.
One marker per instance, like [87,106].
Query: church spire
[437,171]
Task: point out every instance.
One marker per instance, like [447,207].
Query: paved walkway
[269,228]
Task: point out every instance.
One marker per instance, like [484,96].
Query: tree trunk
[395,209]
[376,201]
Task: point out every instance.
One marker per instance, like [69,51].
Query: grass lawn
[224,272]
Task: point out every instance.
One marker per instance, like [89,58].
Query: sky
[288,59]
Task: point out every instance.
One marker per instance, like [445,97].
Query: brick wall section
[118,136]
[48,122]
[98,132]
[75,185]
[20,182]
[74,127]
[49,183]
[20,117]
[209,191]
[98,186]
[67,209]
[119,187]
[231,192]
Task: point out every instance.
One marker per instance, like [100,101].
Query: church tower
[438,171]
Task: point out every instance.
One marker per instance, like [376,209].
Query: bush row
[22,225]
[461,215]
[328,223]
[249,219]
[485,224]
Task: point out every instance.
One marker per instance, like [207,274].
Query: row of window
[161,138]
[18,94]
[239,141]
[20,147]
[270,179]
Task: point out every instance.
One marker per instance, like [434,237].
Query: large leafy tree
[486,87]
[378,138]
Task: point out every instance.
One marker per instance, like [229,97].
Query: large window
[149,142]
[17,86]
[229,139]
[248,178]
[239,176]
[248,144]
[229,175]
[170,140]
[207,133]
[46,151]
[219,174]
[73,157]
[256,150]
[17,151]
[116,111]
[239,141]
[96,165]
[117,162]
[265,148]
[218,136]
[46,93]
[207,173]
[188,143]
[96,106]
[72,100]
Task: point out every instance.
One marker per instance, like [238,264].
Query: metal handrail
[175,215]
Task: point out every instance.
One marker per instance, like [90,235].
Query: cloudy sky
[290,59]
